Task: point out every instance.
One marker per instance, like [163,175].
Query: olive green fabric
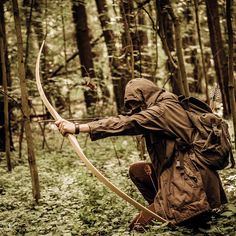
[165,126]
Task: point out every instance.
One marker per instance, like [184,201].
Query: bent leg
[146,184]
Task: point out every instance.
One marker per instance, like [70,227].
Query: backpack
[214,131]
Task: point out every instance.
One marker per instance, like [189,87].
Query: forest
[76,57]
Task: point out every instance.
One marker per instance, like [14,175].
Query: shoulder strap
[192,103]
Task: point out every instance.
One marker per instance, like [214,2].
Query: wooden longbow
[80,153]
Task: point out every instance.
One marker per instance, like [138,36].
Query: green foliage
[73,202]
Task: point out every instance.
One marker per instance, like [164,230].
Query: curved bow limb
[80,153]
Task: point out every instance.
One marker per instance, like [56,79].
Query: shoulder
[168,96]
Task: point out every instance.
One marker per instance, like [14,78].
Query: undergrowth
[73,202]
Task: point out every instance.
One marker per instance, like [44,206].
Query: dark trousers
[146,183]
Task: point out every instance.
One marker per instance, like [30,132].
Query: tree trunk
[190,50]
[117,71]
[218,52]
[25,104]
[127,16]
[28,32]
[114,62]
[5,88]
[65,60]
[229,9]
[179,52]
[2,130]
[143,61]
[5,43]
[166,35]
[134,40]
[201,50]
[107,33]
[85,51]
[7,67]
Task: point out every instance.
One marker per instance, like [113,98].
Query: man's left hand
[65,127]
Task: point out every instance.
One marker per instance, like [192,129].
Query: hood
[143,91]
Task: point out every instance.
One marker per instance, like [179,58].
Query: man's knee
[142,180]
[135,169]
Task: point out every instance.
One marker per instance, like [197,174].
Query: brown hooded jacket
[187,187]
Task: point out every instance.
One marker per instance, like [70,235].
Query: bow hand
[66,127]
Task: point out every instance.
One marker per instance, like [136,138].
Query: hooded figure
[176,183]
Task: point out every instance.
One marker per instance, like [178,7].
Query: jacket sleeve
[139,123]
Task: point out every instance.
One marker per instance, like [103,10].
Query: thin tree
[127,18]
[2,131]
[65,58]
[134,39]
[28,73]
[7,67]
[115,63]
[229,10]
[85,51]
[5,43]
[179,51]
[34,18]
[165,33]
[189,47]
[219,55]
[5,88]
[28,31]
[25,105]
[201,50]
[143,60]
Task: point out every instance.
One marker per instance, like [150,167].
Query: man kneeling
[177,183]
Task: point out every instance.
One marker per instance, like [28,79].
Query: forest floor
[73,202]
